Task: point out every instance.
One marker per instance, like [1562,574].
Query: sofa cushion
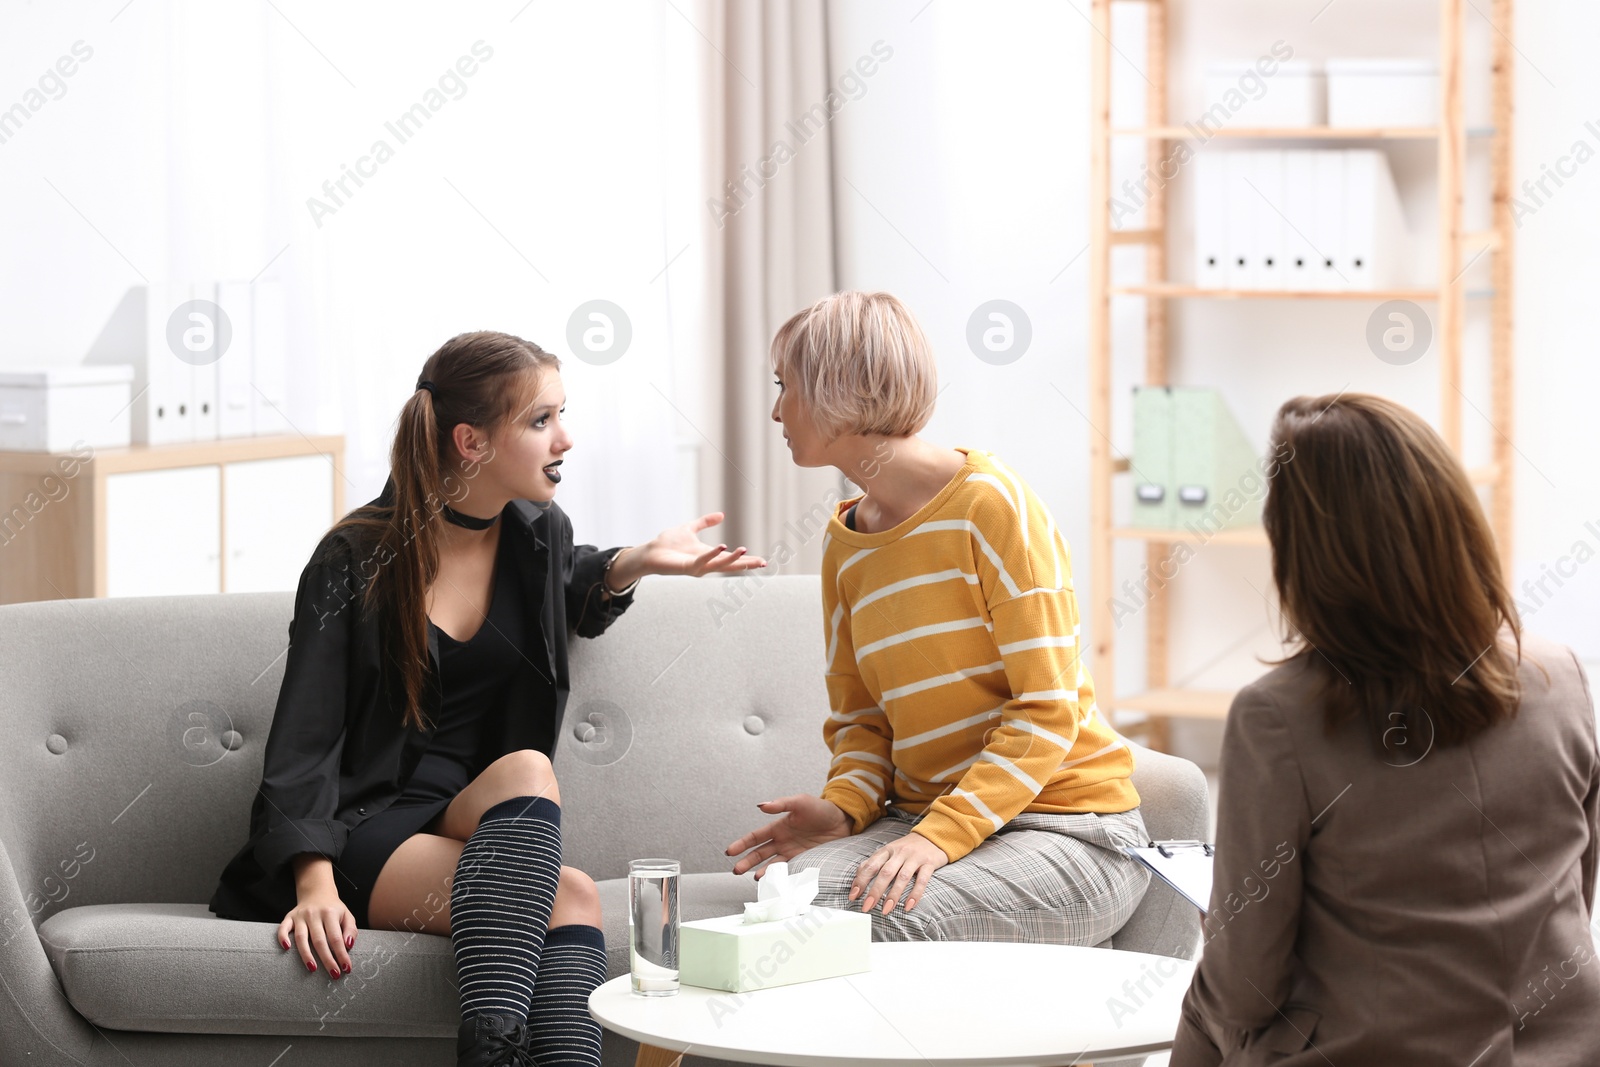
[179,969]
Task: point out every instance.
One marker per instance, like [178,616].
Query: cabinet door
[164,532]
[274,513]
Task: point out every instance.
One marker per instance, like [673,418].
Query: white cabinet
[274,511]
[164,532]
[233,515]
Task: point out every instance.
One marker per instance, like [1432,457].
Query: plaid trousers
[1051,879]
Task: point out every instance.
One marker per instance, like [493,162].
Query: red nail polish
[311,966]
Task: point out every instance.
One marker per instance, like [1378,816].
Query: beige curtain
[769,211]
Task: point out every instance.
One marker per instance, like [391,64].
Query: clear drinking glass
[653,927]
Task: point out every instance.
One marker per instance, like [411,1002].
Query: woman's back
[1437,903]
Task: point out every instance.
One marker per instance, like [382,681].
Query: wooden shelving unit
[1158,700]
[59,546]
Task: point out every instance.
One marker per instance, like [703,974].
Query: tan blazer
[1425,906]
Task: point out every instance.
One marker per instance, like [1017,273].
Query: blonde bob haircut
[861,365]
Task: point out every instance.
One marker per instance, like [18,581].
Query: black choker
[471,522]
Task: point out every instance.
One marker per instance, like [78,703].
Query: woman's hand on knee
[907,863]
[323,929]
[803,822]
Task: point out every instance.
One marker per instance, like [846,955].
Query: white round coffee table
[945,1004]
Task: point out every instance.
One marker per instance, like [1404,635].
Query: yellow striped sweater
[953,667]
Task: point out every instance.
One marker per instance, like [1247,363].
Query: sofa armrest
[37,1023]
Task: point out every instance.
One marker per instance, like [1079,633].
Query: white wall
[972,149]
[194,137]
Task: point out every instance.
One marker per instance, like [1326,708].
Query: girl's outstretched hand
[678,550]
[803,822]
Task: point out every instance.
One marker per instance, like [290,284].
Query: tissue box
[728,953]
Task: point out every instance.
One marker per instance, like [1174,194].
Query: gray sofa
[134,733]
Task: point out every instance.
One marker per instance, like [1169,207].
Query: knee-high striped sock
[561,1033]
[500,904]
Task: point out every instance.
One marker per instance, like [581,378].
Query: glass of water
[653,927]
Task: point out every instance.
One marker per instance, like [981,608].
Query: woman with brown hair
[1410,803]
[407,781]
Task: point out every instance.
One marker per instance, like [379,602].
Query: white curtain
[754,194]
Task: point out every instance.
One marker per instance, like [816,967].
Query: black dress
[473,677]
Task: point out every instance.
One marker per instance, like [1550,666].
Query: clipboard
[1184,865]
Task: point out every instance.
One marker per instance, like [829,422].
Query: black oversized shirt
[338,752]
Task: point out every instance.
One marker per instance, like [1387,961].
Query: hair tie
[423,383]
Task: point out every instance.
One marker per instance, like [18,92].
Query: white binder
[1210,220]
[268,395]
[1266,167]
[1328,236]
[235,369]
[1184,865]
[161,414]
[1241,267]
[1300,260]
[203,374]
[1374,225]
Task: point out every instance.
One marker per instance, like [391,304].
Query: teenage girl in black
[407,780]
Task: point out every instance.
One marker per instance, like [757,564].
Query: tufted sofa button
[754,724]
[232,739]
[56,743]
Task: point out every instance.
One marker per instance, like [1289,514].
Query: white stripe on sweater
[1112,747]
[970,721]
[989,479]
[1050,694]
[1038,642]
[938,680]
[1039,731]
[945,775]
[1022,498]
[1011,768]
[979,806]
[919,631]
[864,757]
[874,783]
[983,543]
[833,631]
[911,583]
[855,716]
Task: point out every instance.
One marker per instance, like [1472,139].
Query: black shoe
[493,1041]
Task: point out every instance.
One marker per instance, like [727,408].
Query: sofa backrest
[135,728]
[134,732]
[705,698]
[117,779]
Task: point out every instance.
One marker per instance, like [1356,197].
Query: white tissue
[781,895]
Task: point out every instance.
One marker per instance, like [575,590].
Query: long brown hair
[484,379]
[1387,570]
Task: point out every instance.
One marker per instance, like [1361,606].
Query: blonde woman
[975,792]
